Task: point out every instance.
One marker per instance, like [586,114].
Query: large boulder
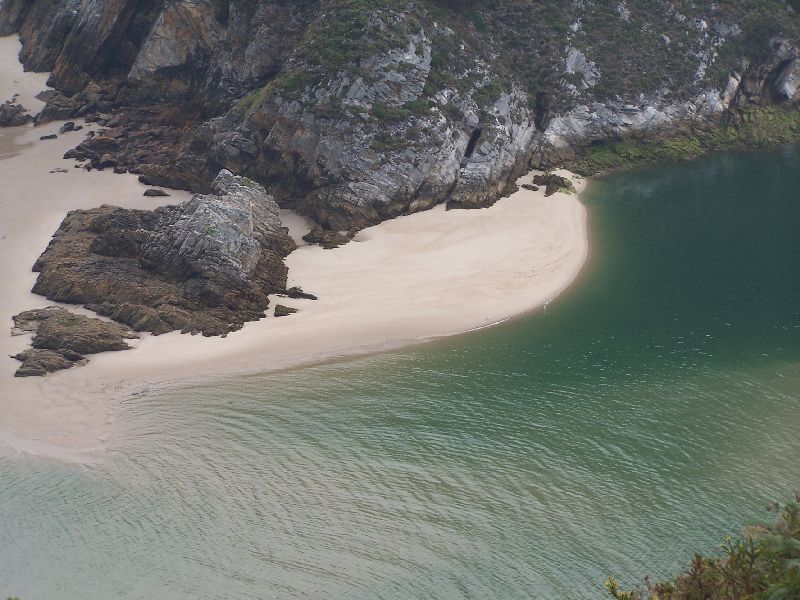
[205,266]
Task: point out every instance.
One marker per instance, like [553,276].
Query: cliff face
[353,111]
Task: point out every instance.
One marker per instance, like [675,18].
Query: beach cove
[645,414]
[397,283]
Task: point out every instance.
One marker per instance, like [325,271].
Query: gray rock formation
[355,112]
[217,240]
[204,266]
[13,114]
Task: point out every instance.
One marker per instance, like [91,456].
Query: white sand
[404,281]
[13,80]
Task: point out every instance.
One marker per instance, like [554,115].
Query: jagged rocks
[284,311]
[353,121]
[154,193]
[13,114]
[37,363]
[554,183]
[62,339]
[204,266]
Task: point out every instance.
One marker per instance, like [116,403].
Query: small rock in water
[284,311]
[153,193]
[52,136]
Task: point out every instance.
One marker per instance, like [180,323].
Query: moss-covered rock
[751,127]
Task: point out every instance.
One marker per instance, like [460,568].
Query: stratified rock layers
[204,266]
[353,112]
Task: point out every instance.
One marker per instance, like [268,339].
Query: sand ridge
[407,280]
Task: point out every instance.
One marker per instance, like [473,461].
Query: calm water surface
[644,414]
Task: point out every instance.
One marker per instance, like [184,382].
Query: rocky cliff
[354,111]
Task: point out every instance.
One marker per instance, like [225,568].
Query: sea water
[647,412]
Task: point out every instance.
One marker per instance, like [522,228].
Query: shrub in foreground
[762,564]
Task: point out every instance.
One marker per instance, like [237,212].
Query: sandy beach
[15,81]
[402,282]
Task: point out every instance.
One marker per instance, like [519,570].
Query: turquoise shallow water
[644,414]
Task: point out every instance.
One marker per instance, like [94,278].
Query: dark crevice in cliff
[473,143]
[118,52]
[542,115]
[343,123]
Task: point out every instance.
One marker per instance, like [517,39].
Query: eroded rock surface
[354,112]
[13,114]
[204,266]
[62,339]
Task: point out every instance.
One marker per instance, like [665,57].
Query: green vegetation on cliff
[748,128]
[762,564]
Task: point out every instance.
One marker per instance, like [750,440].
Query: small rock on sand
[154,193]
[284,311]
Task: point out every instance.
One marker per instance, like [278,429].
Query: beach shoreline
[405,281]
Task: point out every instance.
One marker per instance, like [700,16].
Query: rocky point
[204,266]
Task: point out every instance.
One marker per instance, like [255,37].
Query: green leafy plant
[761,564]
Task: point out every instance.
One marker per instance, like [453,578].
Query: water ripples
[636,421]
[311,485]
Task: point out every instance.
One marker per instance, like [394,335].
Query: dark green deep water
[650,410]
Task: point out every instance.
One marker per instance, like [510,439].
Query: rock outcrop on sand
[62,339]
[554,183]
[204,266]
[352,112]
[284,311]
[326,238]
[13,114]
